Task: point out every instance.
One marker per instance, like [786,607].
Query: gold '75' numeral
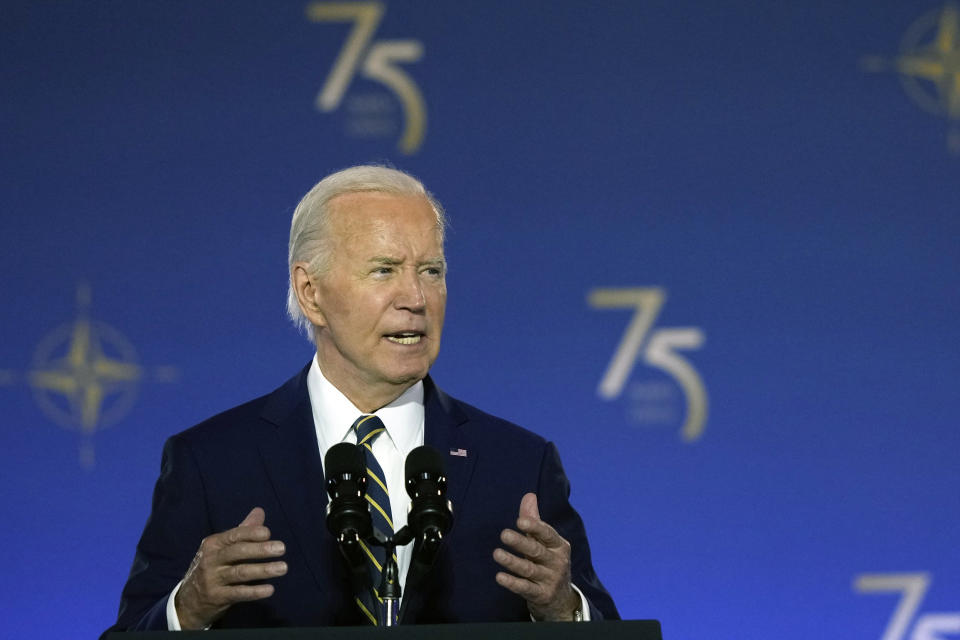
[376,61]
[659,351]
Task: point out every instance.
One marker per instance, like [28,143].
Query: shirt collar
[334,414]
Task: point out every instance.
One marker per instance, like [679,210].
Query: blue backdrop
[709,248]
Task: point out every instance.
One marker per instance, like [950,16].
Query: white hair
[309,229]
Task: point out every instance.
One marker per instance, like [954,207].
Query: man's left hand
[538,570]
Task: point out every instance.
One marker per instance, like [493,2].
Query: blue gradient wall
[710,249]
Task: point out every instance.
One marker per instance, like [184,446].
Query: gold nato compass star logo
[929,66]
[85,375]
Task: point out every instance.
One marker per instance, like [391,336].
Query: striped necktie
[368,428]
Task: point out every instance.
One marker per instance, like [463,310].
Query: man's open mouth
[406,337]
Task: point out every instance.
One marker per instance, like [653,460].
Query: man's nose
[410,295]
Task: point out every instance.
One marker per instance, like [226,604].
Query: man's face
[383,299]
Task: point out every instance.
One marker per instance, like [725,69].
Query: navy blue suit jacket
[264,453]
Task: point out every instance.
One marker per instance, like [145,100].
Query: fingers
[242,533]
[256,517]
[251,529]
[223,569]
[250,592]
[529,507]
[537,565]
[236,555]
[536,537]
[526,545]
[245,551]
[238,574]
[520,567]
[529,522]
[541,576]
[534,551]
[540,531]
[242,562]
[529,591]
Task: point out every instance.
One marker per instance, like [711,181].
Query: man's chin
[407,376]
[407,379]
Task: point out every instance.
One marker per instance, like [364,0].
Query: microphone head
[430,512]
[345,470]
[423,462]
[344,459]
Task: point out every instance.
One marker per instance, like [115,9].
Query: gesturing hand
[539,568]
[219,572]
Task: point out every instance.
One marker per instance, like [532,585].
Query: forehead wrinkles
[390,223]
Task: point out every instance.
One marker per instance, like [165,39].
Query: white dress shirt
[334,414]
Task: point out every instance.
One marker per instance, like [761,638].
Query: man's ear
[308,294]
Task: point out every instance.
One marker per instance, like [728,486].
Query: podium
[607,629]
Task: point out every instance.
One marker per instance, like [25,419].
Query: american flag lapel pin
[459,452]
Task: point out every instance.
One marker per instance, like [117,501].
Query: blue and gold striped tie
[368,428]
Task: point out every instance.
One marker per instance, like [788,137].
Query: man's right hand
[225,563]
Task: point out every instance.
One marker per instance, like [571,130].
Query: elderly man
[367,284]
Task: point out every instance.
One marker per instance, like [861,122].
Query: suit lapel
[444,430]
[288,446]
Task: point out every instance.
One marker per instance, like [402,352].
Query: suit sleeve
[177,524]
[553,496]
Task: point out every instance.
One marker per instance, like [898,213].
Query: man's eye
[383,270]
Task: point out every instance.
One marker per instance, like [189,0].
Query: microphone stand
[389,589]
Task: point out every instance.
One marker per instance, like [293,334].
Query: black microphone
[431,514]
[346,475]
[348,517]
